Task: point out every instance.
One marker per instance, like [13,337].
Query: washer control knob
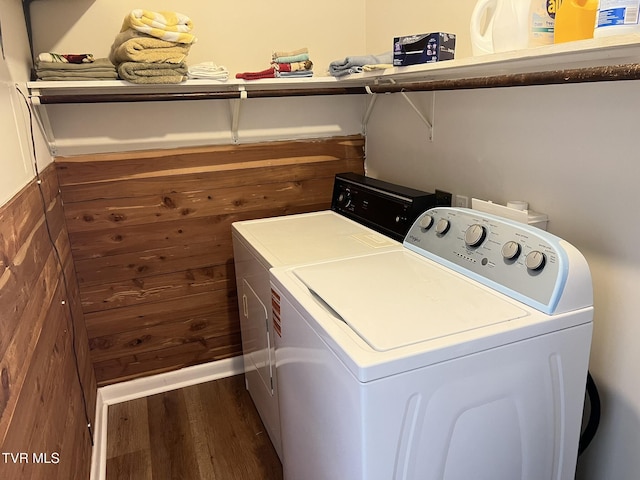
[511,250]
[344,198]
[426,222]
[535,260]
[442,226]
[475,235]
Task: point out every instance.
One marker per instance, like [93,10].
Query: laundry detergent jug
[575,20]
[504,25]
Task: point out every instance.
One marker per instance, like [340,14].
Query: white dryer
[462,356]
[259,245]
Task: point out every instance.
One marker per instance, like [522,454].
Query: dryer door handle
[245,306]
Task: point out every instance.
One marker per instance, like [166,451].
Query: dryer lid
[311,237]
[395,299]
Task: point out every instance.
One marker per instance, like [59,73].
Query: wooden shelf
[595,60]
[584,54]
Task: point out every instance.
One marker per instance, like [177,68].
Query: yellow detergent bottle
[575,20]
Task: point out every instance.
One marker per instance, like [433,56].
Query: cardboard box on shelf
[423,48]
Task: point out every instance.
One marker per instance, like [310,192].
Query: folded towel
[78,76]
[294,67]
[268,73]
[66,57]
[298,74]
[170,26]
[289,54]
[301,57]
[134,46]
[97,64]
[157,73]
[354,64]
[99,69]
[378,66]
[209,70]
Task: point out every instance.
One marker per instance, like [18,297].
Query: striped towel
[66,57]
[169,26]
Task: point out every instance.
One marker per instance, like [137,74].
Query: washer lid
[396,299]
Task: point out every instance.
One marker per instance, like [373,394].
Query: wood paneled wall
[151,240]
[42,416]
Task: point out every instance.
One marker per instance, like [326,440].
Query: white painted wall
[16,159]
[240,35]
[571,152]
[388,19]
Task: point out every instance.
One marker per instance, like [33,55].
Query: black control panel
[384,207]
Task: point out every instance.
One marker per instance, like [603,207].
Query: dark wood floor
[210,431]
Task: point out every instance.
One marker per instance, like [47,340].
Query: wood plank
[128,442]
[214,426]
[21,347]
[20,284]
[223,433]
[134,465]
[45,396]
[139,238]
[149,209]
[141,223]
[25,405]
[24,267]
[101,167]
[140,365]
[41,407]
[203,331]
[20,216]
[136,291]
[184,182]
[139,265]
[172,445]
[175,236]
[128,430]
[138,317]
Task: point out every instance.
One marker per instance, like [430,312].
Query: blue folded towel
[296,74]
[354,64]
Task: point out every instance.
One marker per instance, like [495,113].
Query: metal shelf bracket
[43,121]
[374,96]
[235,113]
[370,104]
[427,122]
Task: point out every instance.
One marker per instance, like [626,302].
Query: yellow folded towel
[133,46]
[170,26]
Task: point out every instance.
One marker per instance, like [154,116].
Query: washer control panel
[524,262]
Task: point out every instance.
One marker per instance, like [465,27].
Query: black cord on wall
[594,415]
[71,317]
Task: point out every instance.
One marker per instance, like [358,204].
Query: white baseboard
[143,387]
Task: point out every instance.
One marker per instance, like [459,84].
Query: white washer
[259,245]
[462,356]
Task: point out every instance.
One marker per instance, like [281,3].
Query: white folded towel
[210,71]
